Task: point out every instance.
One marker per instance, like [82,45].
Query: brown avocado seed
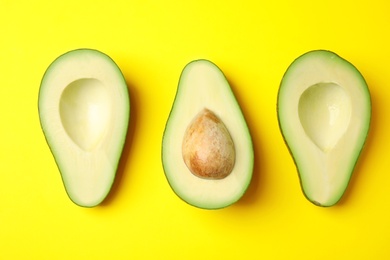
[208,149]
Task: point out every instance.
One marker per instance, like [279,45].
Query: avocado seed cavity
[208,149]
[325,113]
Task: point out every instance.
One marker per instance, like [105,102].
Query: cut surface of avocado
[324,111]
[84,113]
[207,151]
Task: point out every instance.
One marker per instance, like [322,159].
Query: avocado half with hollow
[207,151]
[84,113]
[324,112]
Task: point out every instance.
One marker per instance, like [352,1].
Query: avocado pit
[208,149]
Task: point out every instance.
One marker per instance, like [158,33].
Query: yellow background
[253,42]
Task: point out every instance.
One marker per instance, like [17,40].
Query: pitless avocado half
[84,110]
[324,112]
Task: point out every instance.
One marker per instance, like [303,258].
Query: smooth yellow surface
[253,42]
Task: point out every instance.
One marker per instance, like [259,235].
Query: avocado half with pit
[324,112]
[84,113]
[207,151]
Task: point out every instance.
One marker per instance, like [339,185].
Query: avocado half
[84,113]
[207,151]
[324,112]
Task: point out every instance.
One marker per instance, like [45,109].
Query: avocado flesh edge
[203,85]
[87,175]
[324,175]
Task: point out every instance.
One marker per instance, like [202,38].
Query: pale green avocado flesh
[84,113]
[324,112]
[204,95]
